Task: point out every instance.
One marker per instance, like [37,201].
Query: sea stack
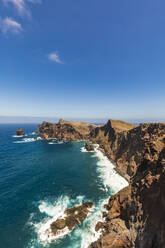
[89,147]
[20,132]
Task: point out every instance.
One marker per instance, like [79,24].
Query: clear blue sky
[88,58]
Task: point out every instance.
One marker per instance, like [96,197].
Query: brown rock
[20,132]
[67,130]
[136,213]
[89,147]
[98,226]
[74,216]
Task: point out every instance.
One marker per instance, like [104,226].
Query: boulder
[89,147]
[20,132]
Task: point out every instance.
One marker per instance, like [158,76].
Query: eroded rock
[73,217]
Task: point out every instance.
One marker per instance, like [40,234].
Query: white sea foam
[19,136]
[53,212]
[27,140]
[56,143]
[60,142]
[83,149]
[87,233]
[111,181]
[84,234]
[33,133]
[110,178]
[106,171]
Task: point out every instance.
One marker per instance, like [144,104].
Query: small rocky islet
[72,218]
[134,216]
[20,132]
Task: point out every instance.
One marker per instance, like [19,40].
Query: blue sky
[82,59]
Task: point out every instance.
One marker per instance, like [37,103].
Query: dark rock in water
[20,132]
[98,226]
[74,216]
[89,147]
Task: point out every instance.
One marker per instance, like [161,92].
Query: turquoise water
[40,179]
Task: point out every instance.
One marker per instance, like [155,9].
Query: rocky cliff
[136,215]
[67,130]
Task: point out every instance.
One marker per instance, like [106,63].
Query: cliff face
[135,215]
[130,148]
[67,130]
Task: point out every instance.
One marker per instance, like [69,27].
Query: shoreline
[119,171]
[111,179]
[110,165]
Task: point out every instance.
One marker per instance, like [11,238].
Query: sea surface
[40,179]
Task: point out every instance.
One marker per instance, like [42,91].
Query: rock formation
[135,215]
[73,217]
[20,132]
[89,147]
[67,130]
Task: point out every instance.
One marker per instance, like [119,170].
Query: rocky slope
[136,215]
[67,130]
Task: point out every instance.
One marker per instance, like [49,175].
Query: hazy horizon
[38,120]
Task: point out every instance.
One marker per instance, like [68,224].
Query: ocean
[40,179]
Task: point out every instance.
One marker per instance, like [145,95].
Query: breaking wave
[85,234]
[19,136]
[82,236]
[27,140]
[106,172]
[55,142]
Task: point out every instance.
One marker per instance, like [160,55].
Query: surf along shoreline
[70,131]
[139,155]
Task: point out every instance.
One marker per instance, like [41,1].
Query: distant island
[134,217]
